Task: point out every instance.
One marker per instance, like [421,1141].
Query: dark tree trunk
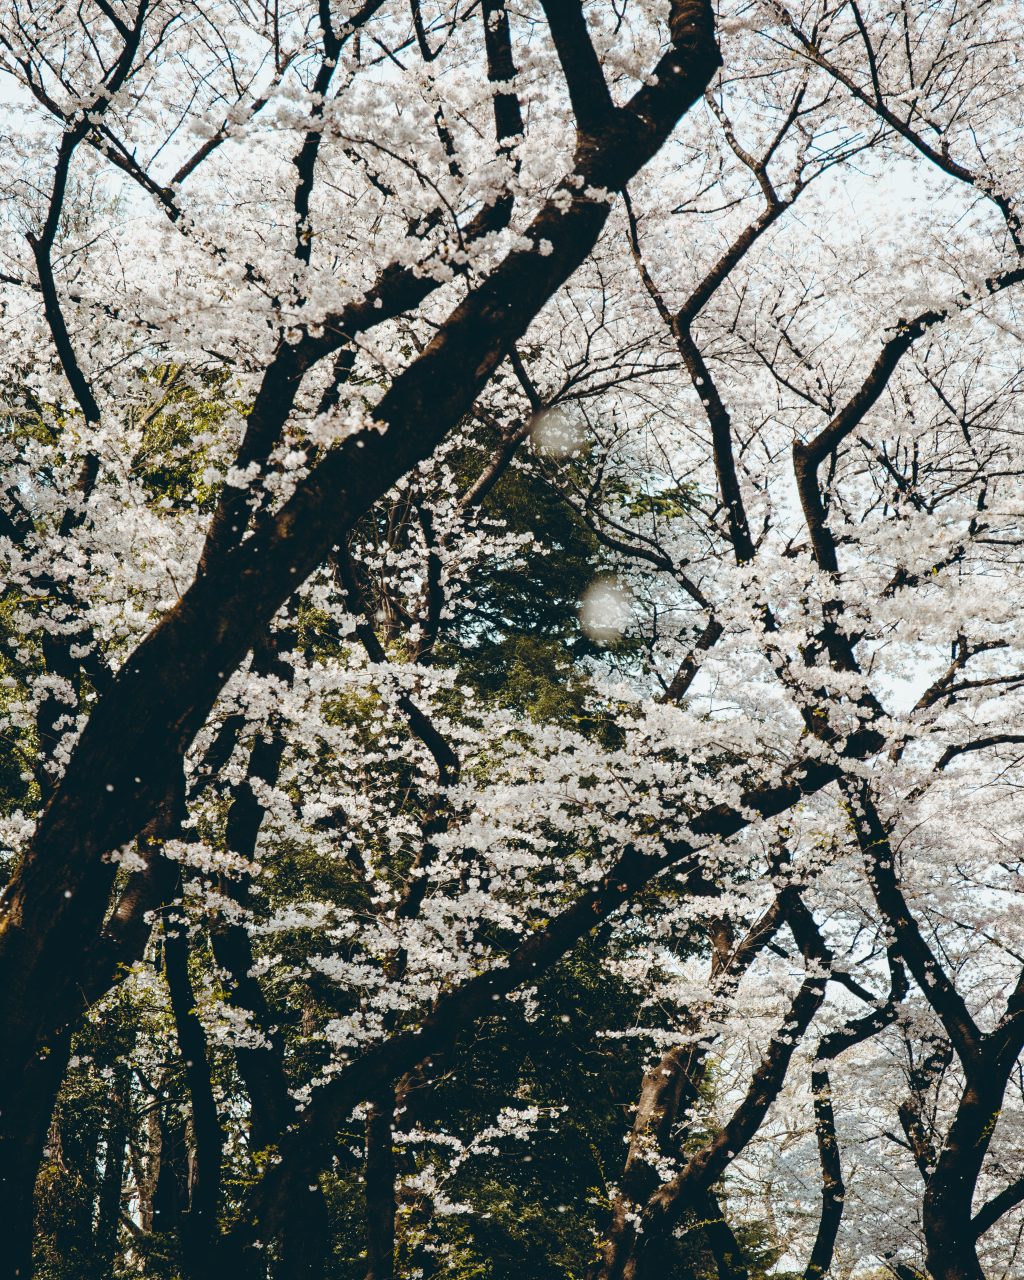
[675,1077]
[199,1224]
[109,1207]
[24,1125]
[380,1189]
[725,1248]
[946,1215]
[305,1241]
[832,1187]
[170,1184]
[27,1106]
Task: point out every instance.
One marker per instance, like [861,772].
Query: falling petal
[556,435]
[605,610]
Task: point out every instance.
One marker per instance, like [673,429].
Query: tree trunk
[725,1248]
[833,1189]
[946,1214]
[673,1078]
[109,1208]
[24,1125]
[380,1189]
[199,1225]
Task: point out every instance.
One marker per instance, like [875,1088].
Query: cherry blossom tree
[511,528]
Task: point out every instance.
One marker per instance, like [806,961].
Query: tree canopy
[511,674]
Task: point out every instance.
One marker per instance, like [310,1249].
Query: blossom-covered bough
[338,339]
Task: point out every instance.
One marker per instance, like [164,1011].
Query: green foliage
[190,407]
[522,645]
[666,504]
[17,742]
